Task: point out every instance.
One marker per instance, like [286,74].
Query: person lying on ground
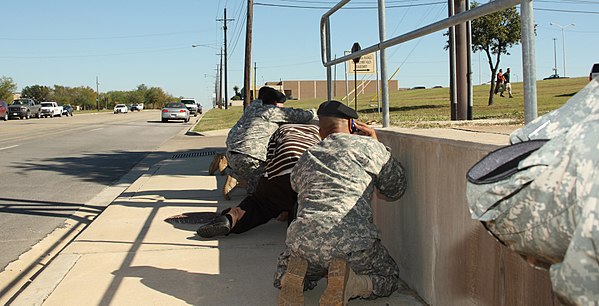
[333,233]
[273,195]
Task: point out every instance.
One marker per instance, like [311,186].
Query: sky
[127,43]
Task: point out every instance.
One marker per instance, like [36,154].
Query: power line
[348,8]
[98,37]
[564,11]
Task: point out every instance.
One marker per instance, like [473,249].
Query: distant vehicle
[594,72]
[554,76]
[191,105]
[121,108]
[175,111]
[24,108]
[3,110]
[200,108]
[67,110]
[50,109]
[137,107]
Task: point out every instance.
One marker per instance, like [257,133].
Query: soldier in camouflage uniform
[334,234]
[548,210]
[248,139]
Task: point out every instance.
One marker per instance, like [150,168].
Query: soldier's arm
[391,182]
[292,115]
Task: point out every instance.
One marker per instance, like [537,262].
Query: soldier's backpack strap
[503,162]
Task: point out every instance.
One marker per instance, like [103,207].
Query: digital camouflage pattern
[252,131]
[335,180]
[250,135]
[549,209]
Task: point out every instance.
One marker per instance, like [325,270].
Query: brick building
[317,89]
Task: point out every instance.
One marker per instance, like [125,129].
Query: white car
[121,108]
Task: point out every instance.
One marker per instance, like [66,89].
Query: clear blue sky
[127,43]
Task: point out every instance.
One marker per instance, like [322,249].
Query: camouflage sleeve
[391,181]
[292,115]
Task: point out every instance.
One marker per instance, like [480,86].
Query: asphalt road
[50,167]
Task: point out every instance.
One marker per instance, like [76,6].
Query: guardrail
[527,37]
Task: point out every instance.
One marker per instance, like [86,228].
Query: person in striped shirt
[273,195]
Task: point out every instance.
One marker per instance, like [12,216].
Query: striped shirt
[287,145]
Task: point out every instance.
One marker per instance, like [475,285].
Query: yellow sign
[367,65]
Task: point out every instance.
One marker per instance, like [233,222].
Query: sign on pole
[367,65]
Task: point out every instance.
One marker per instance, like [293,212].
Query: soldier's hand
[365,130]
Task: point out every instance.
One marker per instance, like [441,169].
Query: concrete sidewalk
[130,255]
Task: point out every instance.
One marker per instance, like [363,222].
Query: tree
[495,34]
[7,88]
[37,92]
[155,96]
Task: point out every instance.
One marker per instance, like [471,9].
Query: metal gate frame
[527,37]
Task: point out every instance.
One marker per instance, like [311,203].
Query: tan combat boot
[292,283]
[219,163]
[230,184]
[343,284]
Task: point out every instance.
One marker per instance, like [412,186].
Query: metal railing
[527,38]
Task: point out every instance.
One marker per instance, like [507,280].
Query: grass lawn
[411,108]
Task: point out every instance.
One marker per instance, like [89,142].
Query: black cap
[272,96]
[336,109]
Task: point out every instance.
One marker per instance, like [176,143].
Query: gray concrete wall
[444,255]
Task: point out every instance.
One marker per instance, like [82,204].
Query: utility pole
[554,57]
[563,41]
[97,94]
[462,70]
[225,20]
[220,80]
[248,56]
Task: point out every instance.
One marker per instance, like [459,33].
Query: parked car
[121,108]
[3,110]
[594,72]
[137,107]
[24,108]
[191,105]
[175,111]
[67,110]
[50,109]
[554,76]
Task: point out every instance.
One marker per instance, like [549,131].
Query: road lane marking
[96,129]
[6,148]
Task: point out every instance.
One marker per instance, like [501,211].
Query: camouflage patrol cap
[336,109]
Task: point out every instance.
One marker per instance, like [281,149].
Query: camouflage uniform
[549,209]
[248,139]
[335,180]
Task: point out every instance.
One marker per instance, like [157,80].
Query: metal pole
[248,56]
[452,63]
[461,42]
[346,81]
[383,59]
[378,92]
[328,56]
[564,49]
[554,57]
[335,80]
[255,93]
[355,88]
[528,60]
[226,60]
[469,60]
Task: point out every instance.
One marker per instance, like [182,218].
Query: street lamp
[563,41]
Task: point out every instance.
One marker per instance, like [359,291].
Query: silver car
[175,111]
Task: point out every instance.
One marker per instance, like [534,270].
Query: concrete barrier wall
[444,255]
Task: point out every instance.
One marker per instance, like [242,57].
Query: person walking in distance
[506,84]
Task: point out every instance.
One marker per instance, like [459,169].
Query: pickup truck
[24,108]
[50,109]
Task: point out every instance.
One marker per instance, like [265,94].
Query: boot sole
[335,294]
[210,231]
[292,284]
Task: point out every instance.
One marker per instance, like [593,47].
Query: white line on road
[6,148]
[96,129]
